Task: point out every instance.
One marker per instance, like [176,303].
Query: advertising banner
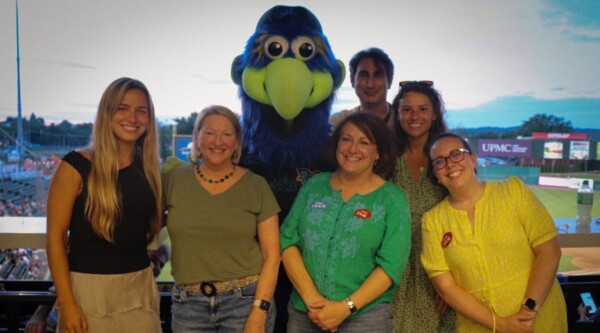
[504,148]
[182,146]
[559,136]
[553,150]
[580,150]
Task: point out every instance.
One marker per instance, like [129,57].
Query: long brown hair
[437,127]
[103,204]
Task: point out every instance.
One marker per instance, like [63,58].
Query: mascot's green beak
[288,85]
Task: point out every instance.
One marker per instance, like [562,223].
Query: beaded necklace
[212,181]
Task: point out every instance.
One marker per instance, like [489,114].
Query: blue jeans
[377,320]
[226,312]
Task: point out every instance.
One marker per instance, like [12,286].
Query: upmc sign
[505,148]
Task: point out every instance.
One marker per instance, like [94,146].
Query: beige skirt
[118,302]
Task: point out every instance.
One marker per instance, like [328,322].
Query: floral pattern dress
[413,304]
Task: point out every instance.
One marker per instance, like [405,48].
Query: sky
[496,63]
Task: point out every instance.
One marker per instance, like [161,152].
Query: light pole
[19,116]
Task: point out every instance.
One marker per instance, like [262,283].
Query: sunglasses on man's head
[419,83]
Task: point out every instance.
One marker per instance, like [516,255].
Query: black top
[89,253]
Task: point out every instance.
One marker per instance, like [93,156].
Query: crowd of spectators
[23,193]
[22,197]
[27,207]
[23,264]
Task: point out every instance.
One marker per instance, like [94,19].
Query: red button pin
[446,239]
[362,213]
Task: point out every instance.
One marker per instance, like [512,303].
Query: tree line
[66,134]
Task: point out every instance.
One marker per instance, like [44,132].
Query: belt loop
[234,285]
[182,293]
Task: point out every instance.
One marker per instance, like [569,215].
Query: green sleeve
[288,235]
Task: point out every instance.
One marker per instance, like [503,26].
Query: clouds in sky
[495,62]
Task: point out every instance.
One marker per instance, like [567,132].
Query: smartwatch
[262,304]
[351,305]
[531,304]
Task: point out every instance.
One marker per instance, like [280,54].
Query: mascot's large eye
[276,47]
[304,48]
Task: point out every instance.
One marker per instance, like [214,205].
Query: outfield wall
[529,175]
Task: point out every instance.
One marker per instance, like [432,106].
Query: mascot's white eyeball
[304,48]
[276,47]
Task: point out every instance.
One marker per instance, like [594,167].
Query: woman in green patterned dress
[416,306]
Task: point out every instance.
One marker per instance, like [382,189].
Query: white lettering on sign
[503,148]
[558,135]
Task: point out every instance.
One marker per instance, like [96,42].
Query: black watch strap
[531,304]
[262,304]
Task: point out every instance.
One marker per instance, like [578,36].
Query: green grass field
[562,203]
[566,264]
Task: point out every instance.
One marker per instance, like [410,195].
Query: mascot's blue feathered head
[287,77]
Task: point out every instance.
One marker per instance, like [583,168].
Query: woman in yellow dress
[490,248]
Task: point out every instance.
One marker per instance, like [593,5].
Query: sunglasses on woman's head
[419,83]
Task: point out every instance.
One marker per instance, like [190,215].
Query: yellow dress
[493,259]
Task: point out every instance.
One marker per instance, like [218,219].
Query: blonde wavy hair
[103,204]
[219,111]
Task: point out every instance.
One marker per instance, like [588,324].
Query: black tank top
[88,252]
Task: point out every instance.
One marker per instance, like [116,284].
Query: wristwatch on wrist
[351,305]
[262,304]
[531,304]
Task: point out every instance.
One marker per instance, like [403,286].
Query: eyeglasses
[457,155]
[419,83]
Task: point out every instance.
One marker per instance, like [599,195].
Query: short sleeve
[268,201]
[432,253]
[538,224]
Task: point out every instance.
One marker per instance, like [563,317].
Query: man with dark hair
[371,75]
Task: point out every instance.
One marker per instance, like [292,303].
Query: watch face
[264,305]
[530,304]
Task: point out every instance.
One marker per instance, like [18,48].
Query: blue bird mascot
[287,76]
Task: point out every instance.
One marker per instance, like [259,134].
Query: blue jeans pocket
[248,291]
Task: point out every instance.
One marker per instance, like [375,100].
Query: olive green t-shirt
[214,237]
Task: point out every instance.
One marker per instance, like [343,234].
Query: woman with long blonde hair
[104,205]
